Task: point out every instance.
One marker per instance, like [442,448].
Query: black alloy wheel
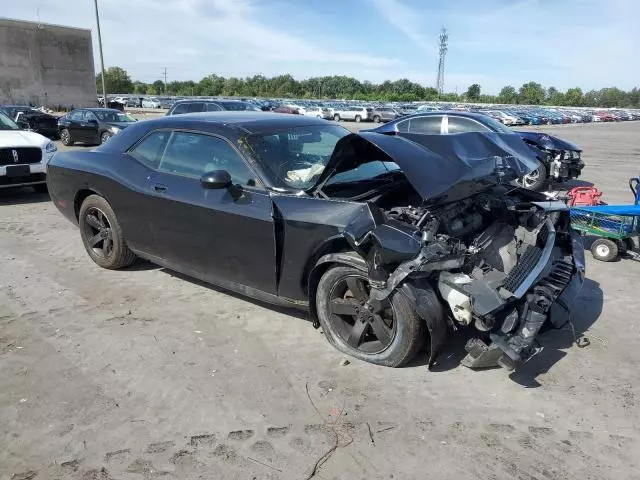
[104,138]
[391,336]
[101,234]
[98,232]
[65,137]
[356,323]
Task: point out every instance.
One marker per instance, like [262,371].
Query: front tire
[376,119]
[336,117]
[65,138]
[535,180]
[104,138]
[358,118]
[604,249]
[102,236]
[391,337]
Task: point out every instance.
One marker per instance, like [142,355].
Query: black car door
[91,127]
[75,119]
[221,235]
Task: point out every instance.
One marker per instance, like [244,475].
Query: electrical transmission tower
[444,38]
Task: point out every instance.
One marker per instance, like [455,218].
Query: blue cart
[616,226]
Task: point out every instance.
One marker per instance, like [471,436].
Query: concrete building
[46,65]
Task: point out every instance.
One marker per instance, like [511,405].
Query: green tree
[611,97]
[116,80]
[555,97]
[473,93]
[573,97]
[508,95]
[531,93]
[158,86]
[140,87]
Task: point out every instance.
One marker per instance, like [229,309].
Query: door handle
[160,188]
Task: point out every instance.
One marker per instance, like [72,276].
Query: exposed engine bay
[499,261]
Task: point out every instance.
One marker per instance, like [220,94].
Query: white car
[23,156]
[150,103]
[319,112]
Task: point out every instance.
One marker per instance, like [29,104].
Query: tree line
[342,87]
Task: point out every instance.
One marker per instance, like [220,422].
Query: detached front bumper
[549,298]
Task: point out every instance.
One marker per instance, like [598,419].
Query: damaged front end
[503,261]
[561,158]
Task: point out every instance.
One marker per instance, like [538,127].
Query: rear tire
[376,119]
[604,249]
[102,236]
[65,138]
[336,117]
[358,118]
[405,335]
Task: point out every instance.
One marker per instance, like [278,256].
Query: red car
[606,116]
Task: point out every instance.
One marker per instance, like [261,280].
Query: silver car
[319,112]
[384,114]
[355,114]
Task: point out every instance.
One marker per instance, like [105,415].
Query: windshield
[113,116]
[6,123]
[295,157]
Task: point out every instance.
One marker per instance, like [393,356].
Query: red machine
[584,197]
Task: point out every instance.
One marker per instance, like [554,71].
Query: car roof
[100,109]
[249,121]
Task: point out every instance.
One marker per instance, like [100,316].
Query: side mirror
[216,179]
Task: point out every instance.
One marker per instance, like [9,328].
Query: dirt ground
[143,374]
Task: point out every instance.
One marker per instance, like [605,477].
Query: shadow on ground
[552,342]
[21,196]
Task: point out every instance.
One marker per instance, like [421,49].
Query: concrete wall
[46,65]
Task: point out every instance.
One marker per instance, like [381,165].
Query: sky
[562,43]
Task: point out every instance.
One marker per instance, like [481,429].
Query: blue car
[559,160]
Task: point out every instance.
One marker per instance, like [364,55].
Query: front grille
[528,260]
[23,155]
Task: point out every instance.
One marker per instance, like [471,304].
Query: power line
[444,39]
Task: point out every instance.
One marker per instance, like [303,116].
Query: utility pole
[444,39]
[104,89]
[165,80]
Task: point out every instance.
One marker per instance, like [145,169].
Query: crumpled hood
[21,138]
[441,168]
[548,142]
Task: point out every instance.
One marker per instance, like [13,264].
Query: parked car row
[358,111]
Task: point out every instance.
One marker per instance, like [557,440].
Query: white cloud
[409,21]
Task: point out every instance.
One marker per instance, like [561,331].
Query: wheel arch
[80,197]
[336,253]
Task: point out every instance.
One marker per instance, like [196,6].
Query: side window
[88,116]
[196,107]
[77,116]
[461,125]
[149,150]
[425,125]
[212,107]
[181,108]
[193,154]
[403,127]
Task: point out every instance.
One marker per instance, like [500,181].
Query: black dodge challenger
[389,242]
